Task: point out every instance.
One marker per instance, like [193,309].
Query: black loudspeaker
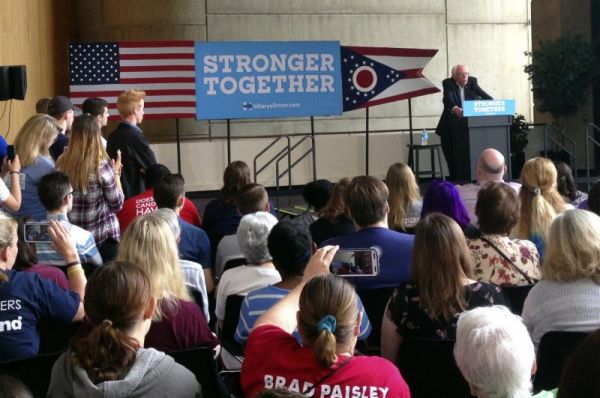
[18,81]
[4,84]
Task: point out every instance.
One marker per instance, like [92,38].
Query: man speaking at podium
[458,88]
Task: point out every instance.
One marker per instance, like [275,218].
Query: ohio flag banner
[377,75]
[163,69]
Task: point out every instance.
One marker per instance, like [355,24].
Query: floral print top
[412,321]
[490,266]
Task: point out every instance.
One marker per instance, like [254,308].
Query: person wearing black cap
[61,108]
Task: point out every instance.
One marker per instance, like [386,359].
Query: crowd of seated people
[442,260]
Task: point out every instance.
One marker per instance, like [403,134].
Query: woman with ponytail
[110,360]
[323,308]
[540,201]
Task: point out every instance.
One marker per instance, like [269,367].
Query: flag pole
[314,149]
[228,141]
[178,146]
[367,143]
[410,132]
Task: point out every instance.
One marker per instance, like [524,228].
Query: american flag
[376,75]
[163,69]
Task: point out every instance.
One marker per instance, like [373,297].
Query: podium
[472,134]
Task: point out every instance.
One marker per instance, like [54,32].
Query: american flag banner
[163,69]
[377,75]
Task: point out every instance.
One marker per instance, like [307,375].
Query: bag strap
[519,270]
[327,376]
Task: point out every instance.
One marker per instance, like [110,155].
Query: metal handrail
[288,171]
[589,138]
[563,136]
[286,149]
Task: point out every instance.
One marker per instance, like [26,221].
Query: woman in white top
[252,235]
[567,297]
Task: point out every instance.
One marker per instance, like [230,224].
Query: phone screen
[355,262]
[10,152]
[37,232]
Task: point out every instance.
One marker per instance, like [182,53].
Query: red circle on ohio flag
[364,78]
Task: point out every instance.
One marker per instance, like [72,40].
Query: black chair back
[428,367]
[231,378]
[516,295]
[234,262]
[33,372]
[374,302]
[201,363]
[232,316]
[554,351]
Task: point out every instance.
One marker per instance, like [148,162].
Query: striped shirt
[95,211]
[259,301]
[84,243]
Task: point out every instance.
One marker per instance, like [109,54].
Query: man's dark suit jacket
[452,99]
[135,155]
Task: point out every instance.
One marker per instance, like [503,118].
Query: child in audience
[497,258]
[566,186]
[334,219]
[567,297]
[32,147]
[110,360]
[495,354]
[26,298]
[316,194]
[56,194]
[178,323]
[405,198]
[259,272]
[97,192]
[290,245]
[324,308]
[540,201]
[442,288]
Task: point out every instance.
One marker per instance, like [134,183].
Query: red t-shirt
[144,203]
[274,359]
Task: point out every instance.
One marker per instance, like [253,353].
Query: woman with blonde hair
[32,147]
[179,323]
[324,309]
[540,201]
[110,360]
[567,296]
[430,305]
[97,192]
[405,198]
[26,298]
[334,219]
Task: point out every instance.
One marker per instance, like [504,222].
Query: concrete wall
[488,35]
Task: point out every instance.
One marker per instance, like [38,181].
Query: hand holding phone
[356,262]
[37,232]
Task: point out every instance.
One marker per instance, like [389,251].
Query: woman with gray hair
[495,354]
[193,274]
[252,235]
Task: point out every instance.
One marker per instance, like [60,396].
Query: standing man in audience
[144,203]
[193,244]
[457,89]
[490,167]
[98,108]
[366,198]
[136,154]
[61,108]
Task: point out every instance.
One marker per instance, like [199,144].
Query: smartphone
[10,152]
[356,262]
[37,232]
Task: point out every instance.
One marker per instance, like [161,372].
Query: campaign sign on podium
[489,107]
[236,80]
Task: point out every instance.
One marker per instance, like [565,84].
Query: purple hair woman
[443,197]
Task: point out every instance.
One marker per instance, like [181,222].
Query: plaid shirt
[96,210]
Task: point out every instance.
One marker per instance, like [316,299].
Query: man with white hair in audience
[490,167]
[495,354]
